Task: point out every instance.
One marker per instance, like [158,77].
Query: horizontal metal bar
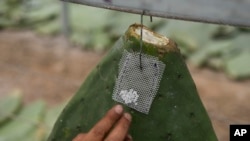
[228,12]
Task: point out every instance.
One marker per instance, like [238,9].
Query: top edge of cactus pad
[149,37]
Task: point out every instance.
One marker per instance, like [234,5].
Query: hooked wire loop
[141,32]
[143,12]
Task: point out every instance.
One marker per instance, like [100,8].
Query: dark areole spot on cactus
[191,115]
[108,90]
[78,128]
[160,96]
[107,87]
[82,100]
[168,137]
[179,76]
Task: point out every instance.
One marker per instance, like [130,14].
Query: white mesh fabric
[136,87]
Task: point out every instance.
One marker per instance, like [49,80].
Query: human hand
[112,127]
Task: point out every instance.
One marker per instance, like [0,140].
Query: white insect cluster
[130,96]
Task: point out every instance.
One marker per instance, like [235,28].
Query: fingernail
[118,109]
[128,116]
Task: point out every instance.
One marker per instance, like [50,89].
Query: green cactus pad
[176,113]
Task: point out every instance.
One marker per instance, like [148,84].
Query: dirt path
[42,67]
[48,68]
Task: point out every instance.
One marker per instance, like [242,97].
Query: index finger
[99,131]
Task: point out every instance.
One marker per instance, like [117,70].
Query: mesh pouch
[136,87]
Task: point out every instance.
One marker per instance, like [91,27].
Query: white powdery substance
[130,96]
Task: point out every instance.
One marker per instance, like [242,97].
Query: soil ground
[49,68]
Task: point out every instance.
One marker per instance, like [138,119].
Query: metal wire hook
[143,12]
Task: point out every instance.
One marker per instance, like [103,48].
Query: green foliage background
[32,122]
[223,48]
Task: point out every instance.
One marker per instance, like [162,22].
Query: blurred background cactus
[31,122]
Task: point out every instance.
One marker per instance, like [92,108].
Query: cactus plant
[25,125]
[10,105]
[176,113]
